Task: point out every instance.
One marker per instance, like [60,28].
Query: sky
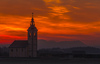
[58,20]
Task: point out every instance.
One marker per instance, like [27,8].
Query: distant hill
[62,44]
[54,44]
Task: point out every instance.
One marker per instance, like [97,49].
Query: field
[48,61]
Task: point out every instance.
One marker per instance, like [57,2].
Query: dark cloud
[84,14]
[17,33]
[22,7]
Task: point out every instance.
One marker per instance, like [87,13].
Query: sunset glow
[58,20]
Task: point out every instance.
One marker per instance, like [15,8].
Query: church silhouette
[25,48]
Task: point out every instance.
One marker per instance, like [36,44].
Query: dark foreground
[49,61]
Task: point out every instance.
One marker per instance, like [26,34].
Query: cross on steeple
[32,22]
[32,15]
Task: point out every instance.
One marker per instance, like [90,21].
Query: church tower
[32,39]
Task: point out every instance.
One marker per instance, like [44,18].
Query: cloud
[49,1]
[59,10]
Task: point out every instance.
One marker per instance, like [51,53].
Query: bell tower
[32,39]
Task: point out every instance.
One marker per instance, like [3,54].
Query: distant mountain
[62,44]
[54,44]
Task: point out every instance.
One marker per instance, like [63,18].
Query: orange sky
[58,20]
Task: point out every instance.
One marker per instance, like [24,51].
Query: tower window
[11,50]
[30,34]
[34,34]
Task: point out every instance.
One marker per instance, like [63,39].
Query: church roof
[19,44]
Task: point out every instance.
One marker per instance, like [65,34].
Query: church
[25,48]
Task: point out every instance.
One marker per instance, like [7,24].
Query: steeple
[32,21]
[32,39]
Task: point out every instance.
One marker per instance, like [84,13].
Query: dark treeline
[4,52]
[87,50]
[58,52]
[75,52]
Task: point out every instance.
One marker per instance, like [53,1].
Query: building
[25,48]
